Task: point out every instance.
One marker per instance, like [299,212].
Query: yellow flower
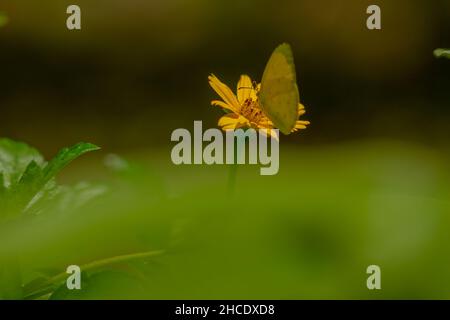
[244,108]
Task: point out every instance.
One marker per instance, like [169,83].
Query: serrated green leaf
[65,156]
[28,186]
[15,158]
[18,161]
[26,176]
[442,53]
[31,180]
[43,199]
[63,198]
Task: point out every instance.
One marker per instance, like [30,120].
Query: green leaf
[63,198]
[18,161]
[15,158]
[442,53]
[31,181]
[65,156]
[28,186]
[25,174]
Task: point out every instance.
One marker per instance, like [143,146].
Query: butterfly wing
[279,97]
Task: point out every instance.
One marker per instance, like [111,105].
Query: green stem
[233,168]
[47,286]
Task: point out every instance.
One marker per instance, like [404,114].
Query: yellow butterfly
[278,96]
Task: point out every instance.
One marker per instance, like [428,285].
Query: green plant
[27,181]
[27,186]
[29,191]
[442,53]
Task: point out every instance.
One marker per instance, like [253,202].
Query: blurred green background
[366,183]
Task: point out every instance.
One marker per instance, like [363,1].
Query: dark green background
[138,69]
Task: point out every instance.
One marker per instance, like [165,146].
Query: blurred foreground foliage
[442,53]
[308,232]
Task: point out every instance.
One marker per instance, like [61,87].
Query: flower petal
[244,88]
[224,92]
[222,105]
[232,121]
[300,124]
[301,109]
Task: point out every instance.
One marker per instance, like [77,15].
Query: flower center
[250,109]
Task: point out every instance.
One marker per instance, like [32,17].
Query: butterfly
[278,96]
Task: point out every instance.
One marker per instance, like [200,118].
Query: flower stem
[239,142]
[47,286]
